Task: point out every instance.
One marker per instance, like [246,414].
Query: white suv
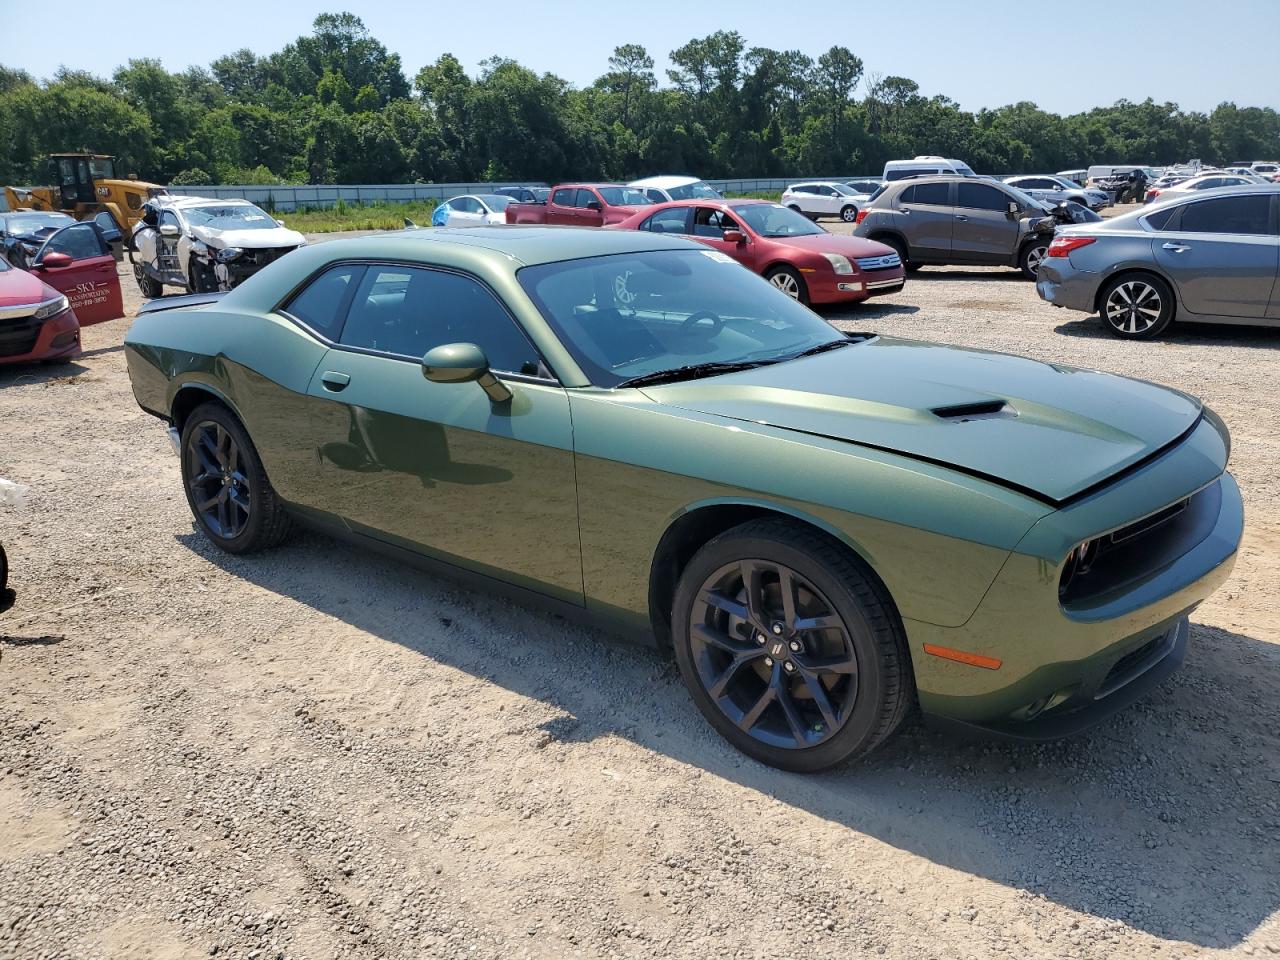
[822,199]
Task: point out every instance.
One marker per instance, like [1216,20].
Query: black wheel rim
[773,654]
[219,487]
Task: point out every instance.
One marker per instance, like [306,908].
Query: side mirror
[169,230]
[279,223]
[1014,209]
[594,205]
[53,260]
[463,363]
[735,236]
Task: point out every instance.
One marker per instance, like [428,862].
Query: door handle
[961,216]
[1176,247]
[334,382]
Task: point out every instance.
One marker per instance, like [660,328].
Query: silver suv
[959,220]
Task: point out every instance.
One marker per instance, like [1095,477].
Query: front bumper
[26,341]
[1066,665]
[855,287]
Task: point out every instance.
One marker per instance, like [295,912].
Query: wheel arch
[190,395]
[1135,270]
[880,234]
[698,523]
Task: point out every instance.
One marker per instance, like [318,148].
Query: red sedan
[73,271]
[786,248]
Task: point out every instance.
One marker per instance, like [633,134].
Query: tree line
[335,106]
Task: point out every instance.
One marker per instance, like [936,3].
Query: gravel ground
[315,753]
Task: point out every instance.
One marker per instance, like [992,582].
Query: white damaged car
[204,245]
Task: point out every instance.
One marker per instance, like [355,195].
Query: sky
[1064,56]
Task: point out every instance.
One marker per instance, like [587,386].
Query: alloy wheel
[219,486]
[787,284]
[1035,256]
[773,654]
[1133,307]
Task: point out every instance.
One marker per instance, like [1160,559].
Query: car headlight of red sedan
[51,308]
[839,263]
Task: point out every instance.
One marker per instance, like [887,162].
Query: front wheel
[849,213]
[1032,256]
[790,647]
[789,282]
[150,289]
[227,488]
[1136,307]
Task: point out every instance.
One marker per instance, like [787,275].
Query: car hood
[1043,429]
[851,247]
[250,239]
[37,236]
[19,287]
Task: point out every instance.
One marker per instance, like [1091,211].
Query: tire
[858,660]
[849,213]
[150,289]
[789,282]
[1030,256]
[195,277]
[246,515]
[1136,306]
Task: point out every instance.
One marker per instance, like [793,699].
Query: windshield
[775,220]
[1024,199]
[540,194]
[841,189]
[963,170]
[495,202]
[865,186]
[231,216]
[623,197]
[29,222]
[694,191]
[102,168]
[4,265]
[631,314]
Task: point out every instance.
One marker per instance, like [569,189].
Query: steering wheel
[691,323]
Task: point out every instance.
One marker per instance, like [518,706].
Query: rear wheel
[849,213]
[790,647]
[900,248]
[789,282]
[227,488]
[1032,255]
[1136,307]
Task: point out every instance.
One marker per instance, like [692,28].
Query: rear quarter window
[323,302]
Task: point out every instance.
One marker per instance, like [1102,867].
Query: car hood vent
[982,410]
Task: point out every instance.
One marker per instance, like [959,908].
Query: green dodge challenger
[827,531]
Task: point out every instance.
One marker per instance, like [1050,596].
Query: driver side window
[80,242]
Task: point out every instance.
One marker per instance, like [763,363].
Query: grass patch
[352,216]
[774,195]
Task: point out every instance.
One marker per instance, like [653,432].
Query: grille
[19,336]
[260,258]
[887,262]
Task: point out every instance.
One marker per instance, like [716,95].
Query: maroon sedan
[786,248]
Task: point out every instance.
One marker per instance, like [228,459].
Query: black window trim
[279,309]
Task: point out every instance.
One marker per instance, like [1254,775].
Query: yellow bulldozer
[85,185]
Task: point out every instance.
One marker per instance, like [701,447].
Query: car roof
[665,181]
[526,244]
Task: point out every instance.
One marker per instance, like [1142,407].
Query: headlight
[229,253]
[51,308]
[1079,560]
[839,263]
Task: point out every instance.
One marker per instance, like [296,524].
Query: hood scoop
[981,410]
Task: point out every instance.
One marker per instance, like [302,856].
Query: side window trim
[352,287]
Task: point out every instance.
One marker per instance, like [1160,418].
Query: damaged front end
[230,266]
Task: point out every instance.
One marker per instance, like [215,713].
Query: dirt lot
[315,753]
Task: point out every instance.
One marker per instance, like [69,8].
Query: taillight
[862,215]
[1062,246]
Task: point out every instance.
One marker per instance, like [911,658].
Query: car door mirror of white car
[169,230]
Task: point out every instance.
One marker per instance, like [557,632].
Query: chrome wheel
[1133,307]
[786,283]
[773,654]
[217,481]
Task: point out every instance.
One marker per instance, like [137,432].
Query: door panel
[983,232]
[440,469]
[90,282]
[928,226]
[1228,275]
